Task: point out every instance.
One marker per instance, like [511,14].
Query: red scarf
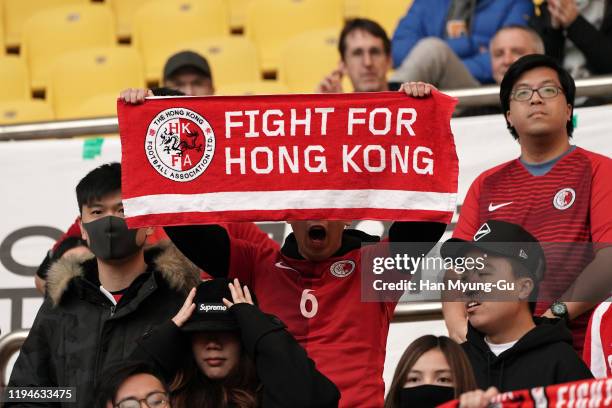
[586,393]
[338,156]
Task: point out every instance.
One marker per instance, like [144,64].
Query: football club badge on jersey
[342,269]
[564,198]
[484,230]
[180,144]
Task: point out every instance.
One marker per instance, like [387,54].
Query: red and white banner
[341,156]
[578,394]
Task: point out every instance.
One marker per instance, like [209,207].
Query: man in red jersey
[313,283]
[598,343]
[555,190]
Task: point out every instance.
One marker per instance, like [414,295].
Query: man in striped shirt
[558,192]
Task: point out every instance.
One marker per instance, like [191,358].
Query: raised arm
[207,246]
[288,376]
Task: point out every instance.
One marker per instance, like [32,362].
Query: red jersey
[570,203]
[598,343]
[320,302]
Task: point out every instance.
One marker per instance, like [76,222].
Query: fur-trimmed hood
[180,273]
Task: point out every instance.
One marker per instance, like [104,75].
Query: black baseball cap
[185,59]
[210,313]
[503,239]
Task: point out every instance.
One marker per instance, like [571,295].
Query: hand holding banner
[340,156]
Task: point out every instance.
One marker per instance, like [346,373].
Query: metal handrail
[9,345]
[482,96]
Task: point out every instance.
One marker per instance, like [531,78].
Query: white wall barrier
[38,202]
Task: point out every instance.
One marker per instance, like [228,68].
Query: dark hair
[114,376]
[192,388]
[520,271]
[527,63]
[98,183]
[165,91]
[461,369]
[366,25]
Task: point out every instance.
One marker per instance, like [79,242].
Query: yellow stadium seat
[17,12]
[351,9]
[307,58]
[124,11]
[50,33]
[271,22]
[232,59]
[254,88]
[238,13]
[14,79]
[162,24]
[2,25]
[96,107]
[12,112]
[387,13]
[82,81]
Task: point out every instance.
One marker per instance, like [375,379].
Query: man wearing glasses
[555,190]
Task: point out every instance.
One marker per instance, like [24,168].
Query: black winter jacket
[596,45]
[78,331]
[544,356]
[288,377]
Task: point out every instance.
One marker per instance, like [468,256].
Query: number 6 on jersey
[308,297]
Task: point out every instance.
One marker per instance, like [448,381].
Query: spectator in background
[127,385]
[578,34]
[505,343]
[365,57]
[96,308]
[509,44]
[237,356]
[189,73]
[446,42]
[431,371]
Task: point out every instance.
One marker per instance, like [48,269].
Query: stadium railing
[482,96]
[9,345]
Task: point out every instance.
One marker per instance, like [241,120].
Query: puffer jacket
[78,331]
[428,18]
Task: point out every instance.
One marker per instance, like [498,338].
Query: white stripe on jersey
[598,358]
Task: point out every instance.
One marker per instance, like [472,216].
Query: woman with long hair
[224,353]
[431,371]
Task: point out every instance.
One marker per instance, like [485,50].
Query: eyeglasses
[153,400]
[545,92]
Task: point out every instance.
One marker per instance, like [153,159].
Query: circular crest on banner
[180,144]
[342,269]
[564,198]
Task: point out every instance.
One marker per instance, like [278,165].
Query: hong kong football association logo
[564,198]
[180,144]
[342,269]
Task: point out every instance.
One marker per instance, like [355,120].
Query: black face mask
[110,238]
[425,396]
